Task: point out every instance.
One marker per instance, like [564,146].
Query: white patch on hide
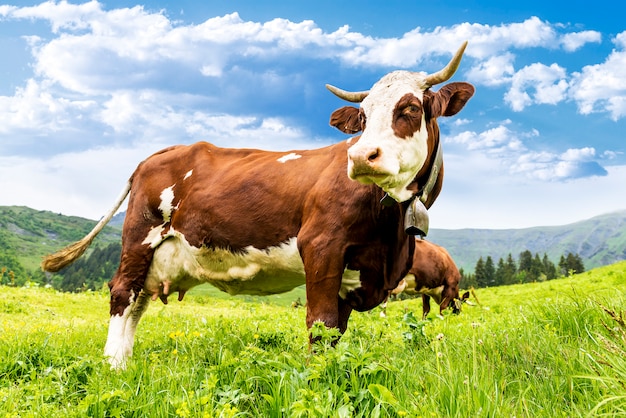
[350,281]
[188,174]
[435,293]
[287,157]
[410,284]
[167,203]
[115,349]
[119,346]
[154,238]
[251,271]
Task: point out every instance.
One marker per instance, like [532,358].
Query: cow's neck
[435,169]
[428,185]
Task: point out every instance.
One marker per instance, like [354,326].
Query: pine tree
[467,279]
[500,273]
[511,269]
[536,269]
[480,274]
[549,269]
[531,268]
[574,263]
[490,272]
[525,261]
[563,266]
[579,267]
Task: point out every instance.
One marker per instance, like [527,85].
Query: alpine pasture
[549,349]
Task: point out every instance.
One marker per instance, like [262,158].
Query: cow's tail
[55,262]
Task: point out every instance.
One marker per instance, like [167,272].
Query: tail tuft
[55,262]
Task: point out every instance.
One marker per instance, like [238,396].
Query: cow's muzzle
[365,162]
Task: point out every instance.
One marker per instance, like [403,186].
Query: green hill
[27,235]
[599,241]
[30,234]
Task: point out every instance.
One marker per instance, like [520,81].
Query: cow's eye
[407,116]
[410,109]
[362,119]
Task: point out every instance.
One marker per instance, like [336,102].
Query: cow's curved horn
[448,71]
[350,96]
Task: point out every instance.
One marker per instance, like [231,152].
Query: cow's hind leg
[128,302]
[122,328]
[128,299]
[425,305]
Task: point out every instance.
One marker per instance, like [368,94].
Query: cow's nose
[373,155]
[366,157]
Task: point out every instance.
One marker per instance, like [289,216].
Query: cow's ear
[346,120]
[449,100]
[465,296]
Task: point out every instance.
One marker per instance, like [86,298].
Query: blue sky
[88,90]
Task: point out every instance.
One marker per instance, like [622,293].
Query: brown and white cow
[433,274]
[259,222]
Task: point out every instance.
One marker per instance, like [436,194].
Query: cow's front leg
[338,321]
[324,266]
[343,315]
[322,304]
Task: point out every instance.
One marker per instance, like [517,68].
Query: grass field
[552,349]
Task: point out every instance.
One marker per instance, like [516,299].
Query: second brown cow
[433,274]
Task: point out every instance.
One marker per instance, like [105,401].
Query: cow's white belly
[178,266]
[411,289]
[434,292]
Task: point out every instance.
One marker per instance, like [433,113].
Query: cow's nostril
[374,155]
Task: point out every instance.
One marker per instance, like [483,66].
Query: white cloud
[490,45]
[61,15]
[545,166]
[610,155]
[511,157]
[537,84]
[579,154]
[472,186]
[99,49]
[75,183]
[496,140]
[602,87]
[34,108]
[97,52]
[573,41]
[460,121]
[494,71]
[116,85]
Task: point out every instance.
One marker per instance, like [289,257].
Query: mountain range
[29,234]
[599,241]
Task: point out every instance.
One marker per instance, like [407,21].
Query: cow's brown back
[433,266]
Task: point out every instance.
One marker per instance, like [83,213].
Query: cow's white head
[397,118]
